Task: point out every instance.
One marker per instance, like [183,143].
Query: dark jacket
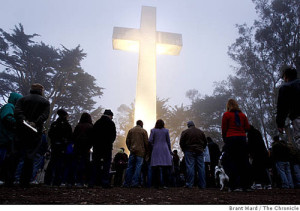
[193,140]
[280,151]
[288,104]
[60,134]
[32,108]
[256,145]
[82,137]
[120,160]
[7,119]
[214,152]
[104,135]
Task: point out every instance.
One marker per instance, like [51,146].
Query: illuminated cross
[147,41]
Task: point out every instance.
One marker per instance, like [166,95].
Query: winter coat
[137,141]
[82,137]
[104,135]
[32,108]
[288,103]
[60,134]
[193,140]
[161,147]
[7,120]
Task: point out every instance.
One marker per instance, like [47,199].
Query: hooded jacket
[7,120]
[193,140]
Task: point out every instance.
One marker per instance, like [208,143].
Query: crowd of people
[83,157]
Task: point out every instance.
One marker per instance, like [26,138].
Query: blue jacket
[7,120]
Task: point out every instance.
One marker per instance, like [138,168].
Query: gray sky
[207,28]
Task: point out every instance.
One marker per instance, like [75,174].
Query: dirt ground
[144,196]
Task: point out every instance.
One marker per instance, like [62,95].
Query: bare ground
[144,196]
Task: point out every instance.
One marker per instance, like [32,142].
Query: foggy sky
[207,28]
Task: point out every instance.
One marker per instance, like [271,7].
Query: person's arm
[224,125]
[282,108]
[128,140]
[169,141]
[151,138]
[182,140]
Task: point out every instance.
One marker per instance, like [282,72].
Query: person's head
[159,124]
[140,123]
[190,124]
[14,97]
[232,105]
[276,138]
[289,74]
[62,114]
[175,152]
[85,118]
[122,150]
[109,113]
[37,89]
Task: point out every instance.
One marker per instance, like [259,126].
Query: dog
[221,177]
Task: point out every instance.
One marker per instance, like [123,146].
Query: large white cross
[148,42]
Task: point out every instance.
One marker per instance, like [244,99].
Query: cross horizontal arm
[168,43]
[126,39]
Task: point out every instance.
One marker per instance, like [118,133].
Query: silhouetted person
[33,109]
[281,156]
[120,161]
[288,104]
[7,133]
[260,158]
[215,153]
[82,137]
[60,134]
[104,135]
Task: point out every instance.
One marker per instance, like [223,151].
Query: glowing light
[129,45]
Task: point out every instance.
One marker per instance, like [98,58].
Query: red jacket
[229,127]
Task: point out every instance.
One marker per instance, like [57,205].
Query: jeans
[38,163]
[296,168]
[191,158]
[284,171]
[296,132]
[133,171]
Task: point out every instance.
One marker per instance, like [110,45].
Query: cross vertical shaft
[145,102]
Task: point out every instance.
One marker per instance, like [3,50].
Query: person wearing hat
[60,134]
[193,143]
[104,135]
[33,110]
[288,104]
